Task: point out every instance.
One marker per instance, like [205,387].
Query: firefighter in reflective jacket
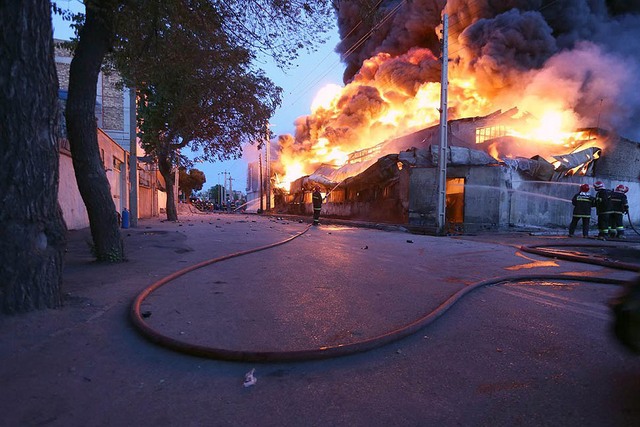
[582,204]
[316,199]
[603,209]
[619,207]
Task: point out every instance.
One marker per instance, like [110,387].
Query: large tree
[209,98]
[275,28]
[32,230]
[95,39]
[191,181]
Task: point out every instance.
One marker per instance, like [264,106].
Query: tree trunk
[32,230]
[166,169]
[95,39]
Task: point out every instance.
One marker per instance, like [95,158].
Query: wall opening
[455,205]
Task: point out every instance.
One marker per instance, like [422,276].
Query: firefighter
[316,198]
[619,207]
[603,209]
[582,204]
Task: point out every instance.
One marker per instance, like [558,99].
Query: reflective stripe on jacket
[582,202]
[603,201]
[619,203]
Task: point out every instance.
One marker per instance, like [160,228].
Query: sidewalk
[86,365]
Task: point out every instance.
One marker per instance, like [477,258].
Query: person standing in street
[582,204]
[316,199]
[619,207]
[603,209]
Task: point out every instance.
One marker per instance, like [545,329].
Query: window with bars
[490,132]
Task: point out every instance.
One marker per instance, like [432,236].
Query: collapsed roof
[470,140]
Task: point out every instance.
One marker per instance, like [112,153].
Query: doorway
[455,205]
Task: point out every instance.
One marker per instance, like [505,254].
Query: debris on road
[249,378]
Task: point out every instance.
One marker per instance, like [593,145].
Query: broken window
[487,133]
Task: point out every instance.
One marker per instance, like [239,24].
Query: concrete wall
[485,196]
[74,211]
[423,196]
[620,160]
[115,163]
[145,202]
[499,197]
[375,204]
[542,204]
[71,203]
[162,202]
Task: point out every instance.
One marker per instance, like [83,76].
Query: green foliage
[196,85]
[188,182]
[193,65]
[76,20]
[279,29]
[214,193]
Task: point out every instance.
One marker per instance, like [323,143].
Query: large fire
[392,94]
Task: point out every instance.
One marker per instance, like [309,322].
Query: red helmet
[621,189]
[584,188]
[598,185]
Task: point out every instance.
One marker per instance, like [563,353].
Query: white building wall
[74,211]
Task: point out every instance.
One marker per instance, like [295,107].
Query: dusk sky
[300,85]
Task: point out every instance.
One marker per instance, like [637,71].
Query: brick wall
[112,103]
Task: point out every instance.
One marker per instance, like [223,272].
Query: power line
[352,49]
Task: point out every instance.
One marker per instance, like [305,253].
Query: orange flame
[381,103]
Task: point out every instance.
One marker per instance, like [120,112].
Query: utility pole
[218,198]
[224,187]
[442,158]
[176,185]
[261,183]
[230,194]
[133,162]
[268,164]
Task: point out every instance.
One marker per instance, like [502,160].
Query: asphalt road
[527,353]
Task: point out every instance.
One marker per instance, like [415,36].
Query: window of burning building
[488,133]
[336,196]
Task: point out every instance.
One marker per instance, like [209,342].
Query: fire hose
[325,352]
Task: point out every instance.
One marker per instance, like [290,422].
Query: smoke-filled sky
[591,45]
[577,60]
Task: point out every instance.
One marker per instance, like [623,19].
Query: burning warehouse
[567,66]
[482,191]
